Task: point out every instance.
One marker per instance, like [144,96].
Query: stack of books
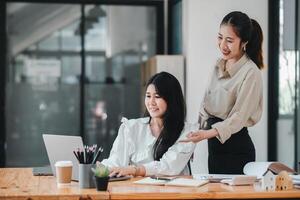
[296,180]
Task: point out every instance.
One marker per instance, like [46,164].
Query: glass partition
[112,87]
[46,48]
[43,86]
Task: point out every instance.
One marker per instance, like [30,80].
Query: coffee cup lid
[63,163]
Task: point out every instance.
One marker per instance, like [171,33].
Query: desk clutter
[91,175]
[272,176]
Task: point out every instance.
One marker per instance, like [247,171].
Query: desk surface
[128,190]
[19,183]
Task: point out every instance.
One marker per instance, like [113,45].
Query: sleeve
[247,102]
[121,149]
[175,159]
[203,115]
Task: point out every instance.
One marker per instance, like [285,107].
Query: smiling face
[155,104]
[230,44]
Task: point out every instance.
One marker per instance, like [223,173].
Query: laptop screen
[61,147]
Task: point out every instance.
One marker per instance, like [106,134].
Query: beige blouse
[234,95]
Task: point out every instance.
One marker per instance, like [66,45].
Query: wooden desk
[19,183]
[128,190]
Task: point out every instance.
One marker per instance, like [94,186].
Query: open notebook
[173,182]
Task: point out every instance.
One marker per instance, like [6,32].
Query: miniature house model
[268,180]
[271,181]
[283,181]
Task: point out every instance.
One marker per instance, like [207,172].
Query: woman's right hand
[122,171]
[200,135]
[195,137]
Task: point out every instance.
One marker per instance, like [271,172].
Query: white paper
[295,177]
[150,181]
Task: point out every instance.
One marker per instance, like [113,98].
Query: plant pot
[101,183]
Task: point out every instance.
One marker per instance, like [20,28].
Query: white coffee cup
[63,172]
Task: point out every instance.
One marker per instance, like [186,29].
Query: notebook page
[186,182]
[150,181]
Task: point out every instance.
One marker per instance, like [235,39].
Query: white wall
[201,20]
[131,28]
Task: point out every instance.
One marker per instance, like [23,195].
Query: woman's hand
[195,137]
[200,135]
[122,171]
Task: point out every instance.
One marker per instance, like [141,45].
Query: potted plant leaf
[101,175]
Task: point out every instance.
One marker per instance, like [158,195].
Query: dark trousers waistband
[230,157]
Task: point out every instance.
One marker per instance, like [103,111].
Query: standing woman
[234,99]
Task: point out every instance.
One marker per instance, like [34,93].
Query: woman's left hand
[122,171]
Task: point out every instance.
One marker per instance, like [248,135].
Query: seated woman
[149,146]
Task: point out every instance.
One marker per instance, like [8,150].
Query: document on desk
[151,181]
[187,182]
[174,182]
[214,178]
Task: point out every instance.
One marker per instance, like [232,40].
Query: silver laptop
[61,147]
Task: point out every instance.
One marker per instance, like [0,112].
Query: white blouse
[134,144]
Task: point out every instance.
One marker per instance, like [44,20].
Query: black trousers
[233,155]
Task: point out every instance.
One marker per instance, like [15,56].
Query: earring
[244,48]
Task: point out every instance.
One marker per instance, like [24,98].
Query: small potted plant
[101,175]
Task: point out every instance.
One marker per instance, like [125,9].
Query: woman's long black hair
[168,88]
[249,31]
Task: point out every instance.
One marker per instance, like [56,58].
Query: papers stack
[214,178]
[240,180]
[230,179]
[253,171]
[296,180]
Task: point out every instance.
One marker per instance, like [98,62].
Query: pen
[162,178]
[100,150]
[84,155]
[76,155]
[95,151]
